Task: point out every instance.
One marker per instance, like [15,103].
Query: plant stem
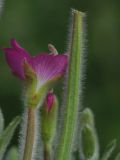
[30,135]
[73,88]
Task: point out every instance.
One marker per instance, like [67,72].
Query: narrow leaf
[109,150]
[7,134]
[1,121]
[73,88]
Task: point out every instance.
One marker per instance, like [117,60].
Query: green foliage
[103,78]
[7,134]
[89,146]
[107,83]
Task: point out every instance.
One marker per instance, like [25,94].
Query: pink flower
[46,67]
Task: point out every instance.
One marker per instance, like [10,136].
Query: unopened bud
[89,140]
[49,118]
[50,98]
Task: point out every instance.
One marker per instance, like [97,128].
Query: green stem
[73,89]
[29,135]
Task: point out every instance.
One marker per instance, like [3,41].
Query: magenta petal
[49,66]
[15,57]
[18,48]
[46,66]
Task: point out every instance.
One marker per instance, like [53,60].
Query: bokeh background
[35,23]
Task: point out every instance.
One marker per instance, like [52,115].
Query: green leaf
[73,88]
[117,157]
[109,150]
[1,122]
[12,154]
[7,134]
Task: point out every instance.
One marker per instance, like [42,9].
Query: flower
[45,67]
[38,72]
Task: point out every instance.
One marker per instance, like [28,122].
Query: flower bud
[49,101]
[89,142]
[49,118]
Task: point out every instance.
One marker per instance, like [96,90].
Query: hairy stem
[73,88]
[30,135]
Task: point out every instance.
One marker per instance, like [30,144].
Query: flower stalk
[30,135]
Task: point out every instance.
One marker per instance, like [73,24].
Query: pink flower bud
[50,98]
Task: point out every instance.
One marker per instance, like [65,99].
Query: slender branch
[30,135]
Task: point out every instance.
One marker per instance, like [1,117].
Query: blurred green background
[35,23]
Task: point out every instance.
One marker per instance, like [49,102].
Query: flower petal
[18,48]
[49,66]
[15,57]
